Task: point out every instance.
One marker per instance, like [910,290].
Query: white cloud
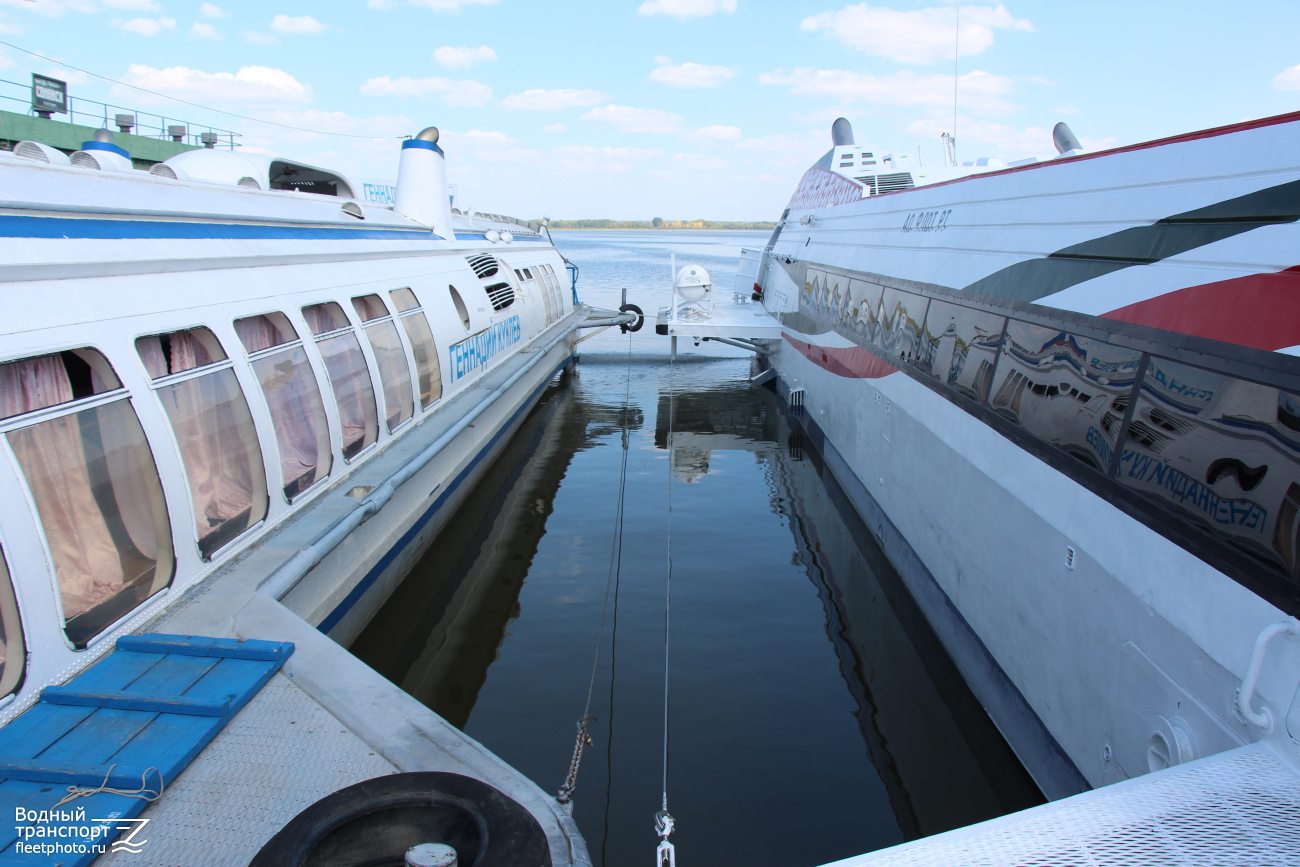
[71,76]
[698,162]
[980,92]
[200,30]
[918,35]
[1288,79]
[449,57]
[258,38]
[555,127]
[1065,109]
[250,86]
[691,74]
[52,8]
[460,94]
[479,138]
[553,100]
[133,5]
[627,119]
[587,159]
[5,61]
[207,10]
[144,26]
[435,5]
[683,9]
[717,132]
[299,24]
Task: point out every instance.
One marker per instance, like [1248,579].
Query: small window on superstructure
[349,376]
[390,355]
[205,404]
[91,476]
[293,399]
[423,347]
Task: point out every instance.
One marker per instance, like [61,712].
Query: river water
[813,714]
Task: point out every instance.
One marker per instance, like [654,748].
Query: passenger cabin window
[13,653]
[394,372]
[293,398]
[214,430]
[85,459]
[422,346]
[349,376]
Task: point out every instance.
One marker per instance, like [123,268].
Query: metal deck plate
[279,754]
[1240,807]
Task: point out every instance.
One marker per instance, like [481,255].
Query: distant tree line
[660,223]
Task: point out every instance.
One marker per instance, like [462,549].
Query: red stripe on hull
[1261,311]
[852,362]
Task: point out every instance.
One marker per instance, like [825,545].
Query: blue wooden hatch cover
[145,710]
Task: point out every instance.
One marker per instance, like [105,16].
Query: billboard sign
[49,94]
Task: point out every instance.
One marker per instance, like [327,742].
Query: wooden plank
[131,700]
[197,645]
[32,733]
[172,741]
[76,774]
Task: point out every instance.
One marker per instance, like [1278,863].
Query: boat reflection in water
[781,599]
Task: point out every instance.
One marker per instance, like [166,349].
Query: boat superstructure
[214,374]
[1064,396]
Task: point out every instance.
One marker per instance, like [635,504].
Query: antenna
[956,42]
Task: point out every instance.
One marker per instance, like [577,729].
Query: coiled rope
[583,740]
[665,855]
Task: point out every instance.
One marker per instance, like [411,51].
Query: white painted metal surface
[1237,808]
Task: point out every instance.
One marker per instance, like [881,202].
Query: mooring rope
[615,568]
[665,855]
[613,646]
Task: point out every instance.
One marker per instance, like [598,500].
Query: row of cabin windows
[83,453]
[552,300]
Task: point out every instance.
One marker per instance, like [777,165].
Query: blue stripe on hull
[84,228]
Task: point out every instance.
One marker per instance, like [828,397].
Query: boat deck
[281,753]
[1237,807]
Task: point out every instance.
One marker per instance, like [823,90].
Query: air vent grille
[162,170]
[501,295]
[484,266]
[251,183]
[893,183]
[85,160]
[30,151]
[352,209]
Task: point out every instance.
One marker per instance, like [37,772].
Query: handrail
[287,576]
[1262,718]
[192,135]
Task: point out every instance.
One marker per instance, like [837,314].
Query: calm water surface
[813,713]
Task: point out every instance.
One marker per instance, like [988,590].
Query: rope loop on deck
[144,792]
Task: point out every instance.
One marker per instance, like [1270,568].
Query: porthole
[460,307]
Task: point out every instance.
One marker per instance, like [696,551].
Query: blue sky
[675,108]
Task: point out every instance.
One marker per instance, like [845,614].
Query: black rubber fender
[373,823]
[640,318]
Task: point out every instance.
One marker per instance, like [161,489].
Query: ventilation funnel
[1064,139]
[841,132]
[422,183]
